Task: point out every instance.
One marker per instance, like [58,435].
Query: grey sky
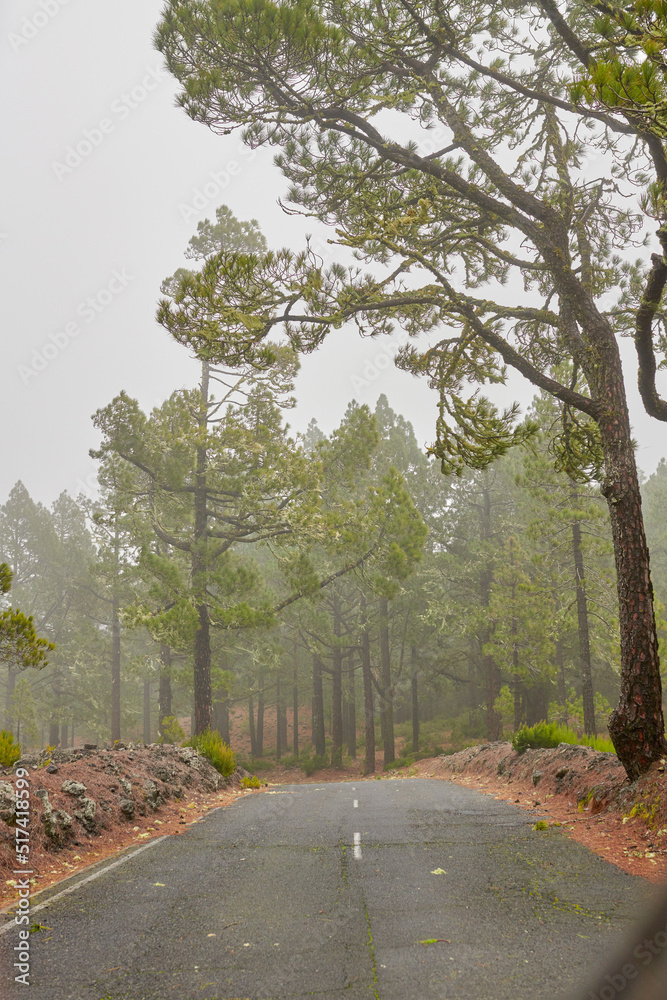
[103,183]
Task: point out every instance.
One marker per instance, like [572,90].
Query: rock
[163,773]
[191,757]
[56,821]
[7,803]
[536,776]
[52,769]
[152,794]
[27,760]
[90,746]
[561,772]
[64,819]
[125,785]
[86,814]
[127,808]
[75,788]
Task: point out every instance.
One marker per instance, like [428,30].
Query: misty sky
[103,183]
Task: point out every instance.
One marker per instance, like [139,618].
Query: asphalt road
[332,891]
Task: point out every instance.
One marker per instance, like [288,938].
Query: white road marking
[356,803]
[357,846]
[77,885]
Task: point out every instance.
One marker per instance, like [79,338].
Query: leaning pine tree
[449,149]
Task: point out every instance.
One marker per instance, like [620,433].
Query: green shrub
[550,734]
[399,762]
[253,782]
[311,764]
[171,730]
[10,750]
[256,764]
[212,746]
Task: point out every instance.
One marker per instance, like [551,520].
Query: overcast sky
[103,183]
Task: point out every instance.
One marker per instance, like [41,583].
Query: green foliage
[256,764]
[550,734]
[213,747]
[10,750]
[171,730]
[309,765]
[20,646]
[253,782]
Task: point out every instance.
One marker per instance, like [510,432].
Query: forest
[230,566]
[403,599]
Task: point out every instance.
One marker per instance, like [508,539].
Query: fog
[104,181]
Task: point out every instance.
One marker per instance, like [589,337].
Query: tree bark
[279,726]
[203,695]
[490,669]
[164,693]
[259,732]
[414,698]
[559,657]
[351,712]
[319,741]
[115,670]
[11,684]
[295,708]
[636,726]
[251,721]
[588,698]
[220,717]
[387,697]
[337,692]
[147,710]
[369,707]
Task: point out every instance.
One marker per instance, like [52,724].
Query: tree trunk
[279,727]
[259,732]
[283,719]
[351,712]
[253,735]
[414,698]
[164,693]
[337,693]
[387,697]
[221,717]
[319,741]
[203,696]
[490,669]
[115,671]
[147,710]
[369,707]
[636,726]
[295,709]
[559,657]
[11,684]
[582,622]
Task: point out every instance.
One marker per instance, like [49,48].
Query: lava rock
[7,803]
[75,788]
[86,814]
[127,808]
